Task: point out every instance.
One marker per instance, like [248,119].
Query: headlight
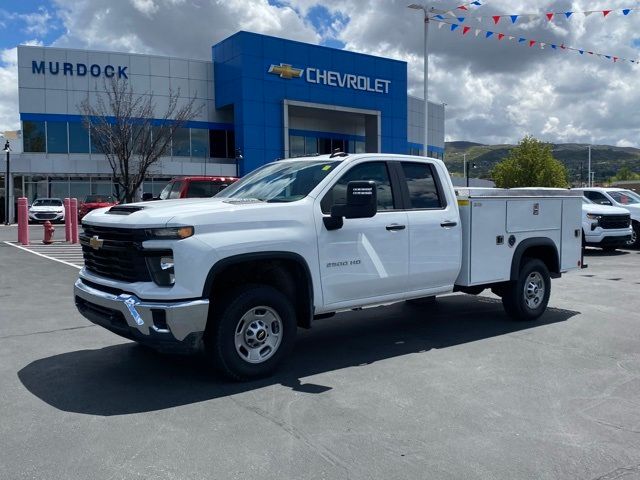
[593,216]
[173,233]
[161,269]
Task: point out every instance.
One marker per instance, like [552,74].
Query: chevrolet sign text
[347,80]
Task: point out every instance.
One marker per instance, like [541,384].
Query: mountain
[606,160]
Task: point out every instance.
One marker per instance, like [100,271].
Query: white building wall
[415,122]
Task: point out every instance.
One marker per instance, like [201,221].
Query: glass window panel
[79,189]
[199,142]
[57,137]
[296,146]
[78,138]
[311,145]
[324,146]
[218,144]
[231,144]
[359,147]
[33,136]
[423,192]
[59,189]
[376,171]
[180,144]
[102,188]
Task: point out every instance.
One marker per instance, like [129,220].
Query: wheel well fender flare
[540,244]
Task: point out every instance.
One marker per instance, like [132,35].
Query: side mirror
[147,196]
[362,202]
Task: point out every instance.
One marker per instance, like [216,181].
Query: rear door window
[422,186]
[201,189]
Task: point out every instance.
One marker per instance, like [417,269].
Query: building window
[311,145]
[218,144]
[33,136]
[57,137]
[180,143]
[231,144]
[199,142]
[78,138]
[296,146]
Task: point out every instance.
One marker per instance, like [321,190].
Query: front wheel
[527,297]
[634,241]
[253,332]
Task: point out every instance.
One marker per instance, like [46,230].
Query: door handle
[448,224]
[394,227]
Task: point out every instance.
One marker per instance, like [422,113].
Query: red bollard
[73,213]
[67,220]
[23,221]
[49,230]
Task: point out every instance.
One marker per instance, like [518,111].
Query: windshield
[47,202]
[280,181]
[98,199]
[586,201]
[632,194]
[623,198]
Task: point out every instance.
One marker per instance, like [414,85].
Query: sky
[495,91]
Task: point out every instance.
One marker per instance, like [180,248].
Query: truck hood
[174,212]
[602,209]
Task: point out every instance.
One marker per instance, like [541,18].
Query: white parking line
[63,253]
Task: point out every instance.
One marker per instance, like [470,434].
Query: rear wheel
[527,297]
[253,332]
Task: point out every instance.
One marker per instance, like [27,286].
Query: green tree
[530,164]
[623,174]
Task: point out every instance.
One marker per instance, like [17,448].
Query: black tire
[635,238]
[515,296]
[220,339]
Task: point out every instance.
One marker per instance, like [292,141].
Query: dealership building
[261,98]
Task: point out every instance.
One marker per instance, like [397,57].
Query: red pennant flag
[615,59]
[500,36]
[532,43]
[465,30]
[590,53]
[606,12]
[563,47]
[462,7]
[550,16]
[496,19]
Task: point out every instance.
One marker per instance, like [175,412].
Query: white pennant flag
[479,19]
[440,24]
[542,44]
[511,37]
[450,12]
[478,31]
[586,14]
[533,17]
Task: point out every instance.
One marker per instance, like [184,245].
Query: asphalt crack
[44,332]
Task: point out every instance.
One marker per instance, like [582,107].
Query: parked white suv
[604,226]
[618,197]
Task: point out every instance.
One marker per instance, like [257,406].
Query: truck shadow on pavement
[127,378]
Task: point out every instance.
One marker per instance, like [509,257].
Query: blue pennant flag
[626,11]
[454,26]
[554,46]
[489,34]
[581,52]
[476,3]
[514,18]
[440,17]
[608,56]
[461,19]
[520,40]
[568,14]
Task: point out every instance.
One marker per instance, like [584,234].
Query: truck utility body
[235,275]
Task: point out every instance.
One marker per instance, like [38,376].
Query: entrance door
[367,257]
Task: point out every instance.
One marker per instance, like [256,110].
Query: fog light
[162,270]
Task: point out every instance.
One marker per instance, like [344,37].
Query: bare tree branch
[126,129]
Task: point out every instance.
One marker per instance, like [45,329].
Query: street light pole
[466,172]
[425,9]
[7,184]
[589,182]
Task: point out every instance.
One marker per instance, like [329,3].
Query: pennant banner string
[549,16]
[525,41]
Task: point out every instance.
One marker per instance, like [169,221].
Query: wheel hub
[534,290]
[258,334]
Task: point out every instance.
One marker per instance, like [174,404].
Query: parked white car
[44,209]
[618,197]
[605,227]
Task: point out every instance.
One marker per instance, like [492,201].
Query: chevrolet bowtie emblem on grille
[95,242]
[286,71]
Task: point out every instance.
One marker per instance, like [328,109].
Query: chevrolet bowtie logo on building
[95,242]
[286,71]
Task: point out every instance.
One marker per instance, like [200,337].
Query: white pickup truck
[234,276]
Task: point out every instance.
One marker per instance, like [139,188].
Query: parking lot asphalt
[454,390]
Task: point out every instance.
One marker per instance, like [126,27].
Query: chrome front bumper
[160,324]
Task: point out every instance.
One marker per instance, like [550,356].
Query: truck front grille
[611,222]
[119,257]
